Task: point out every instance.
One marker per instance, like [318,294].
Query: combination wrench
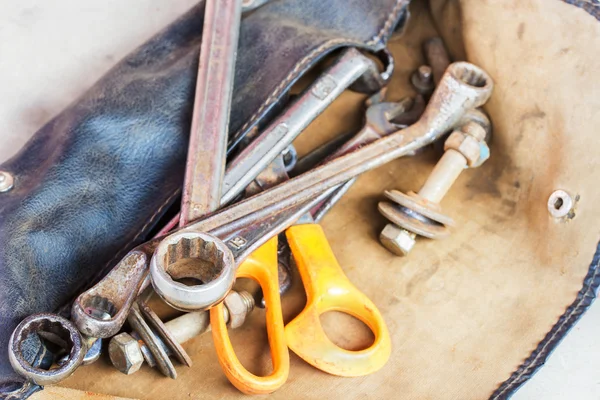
[225,238]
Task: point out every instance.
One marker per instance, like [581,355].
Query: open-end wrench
[242,170]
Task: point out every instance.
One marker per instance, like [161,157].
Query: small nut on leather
[239,306]
[125,353]
[397,240]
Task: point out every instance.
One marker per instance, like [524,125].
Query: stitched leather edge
[538,357]
[583,301]
[591,6]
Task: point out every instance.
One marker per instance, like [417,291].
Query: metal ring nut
[192,255]
[50,327]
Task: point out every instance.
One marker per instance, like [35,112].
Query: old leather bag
[475,315]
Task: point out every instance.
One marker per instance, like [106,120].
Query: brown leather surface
[464,312]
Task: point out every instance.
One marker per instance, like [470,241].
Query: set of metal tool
[216,239]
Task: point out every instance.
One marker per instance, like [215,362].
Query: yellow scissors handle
[328,289]
[262,267]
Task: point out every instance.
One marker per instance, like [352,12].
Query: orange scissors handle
[328,289]
[261,266]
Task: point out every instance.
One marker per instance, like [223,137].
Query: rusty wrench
[208,139]
[224,239]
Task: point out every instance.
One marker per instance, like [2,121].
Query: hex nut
[475,130]
[465,144]
[125,353]
[397,240]
[238,307]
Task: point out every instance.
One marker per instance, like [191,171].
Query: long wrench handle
[463,87]
[208,139]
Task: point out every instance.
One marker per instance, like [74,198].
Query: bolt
[397,240]
[6,181]
[420,213]
[125,353]
[560,204]
[422,80]
[424,72]
[239,305]
[437,56]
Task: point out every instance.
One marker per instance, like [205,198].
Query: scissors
[331,291]
[327,287]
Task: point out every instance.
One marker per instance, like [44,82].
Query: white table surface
[51,51]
